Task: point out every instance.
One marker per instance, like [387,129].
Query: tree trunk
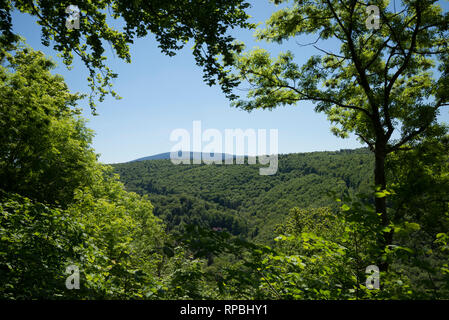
[381,203]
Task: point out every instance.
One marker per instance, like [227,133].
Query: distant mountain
[192,155]
[165,155]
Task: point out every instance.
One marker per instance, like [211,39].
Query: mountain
[238,199]
[192,155]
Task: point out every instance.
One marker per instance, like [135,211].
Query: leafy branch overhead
[378,80]
[173,24]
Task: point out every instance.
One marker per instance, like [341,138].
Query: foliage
[420,204]
[379,77]
[45,151]
[236,198]
[205,23]
[320,254]
[380,81]
[127,237]
[58,205]
[33,251]
[108,233]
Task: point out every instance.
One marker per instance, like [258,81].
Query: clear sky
[163,93]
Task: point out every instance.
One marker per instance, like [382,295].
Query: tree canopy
[45,151]
[381,81]
[58,205]
[172,23]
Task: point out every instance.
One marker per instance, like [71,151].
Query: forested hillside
[238,199]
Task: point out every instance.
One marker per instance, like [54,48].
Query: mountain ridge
[192,155]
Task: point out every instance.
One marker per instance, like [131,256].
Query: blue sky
[163,93]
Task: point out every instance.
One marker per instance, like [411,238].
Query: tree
[58,205]
[45,151]
[37,243]
[173,23]
[127,238]
[381,81]
[420,201]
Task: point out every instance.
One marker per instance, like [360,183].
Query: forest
[363,224]
[239,200]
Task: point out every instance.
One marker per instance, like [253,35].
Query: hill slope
[237,198]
